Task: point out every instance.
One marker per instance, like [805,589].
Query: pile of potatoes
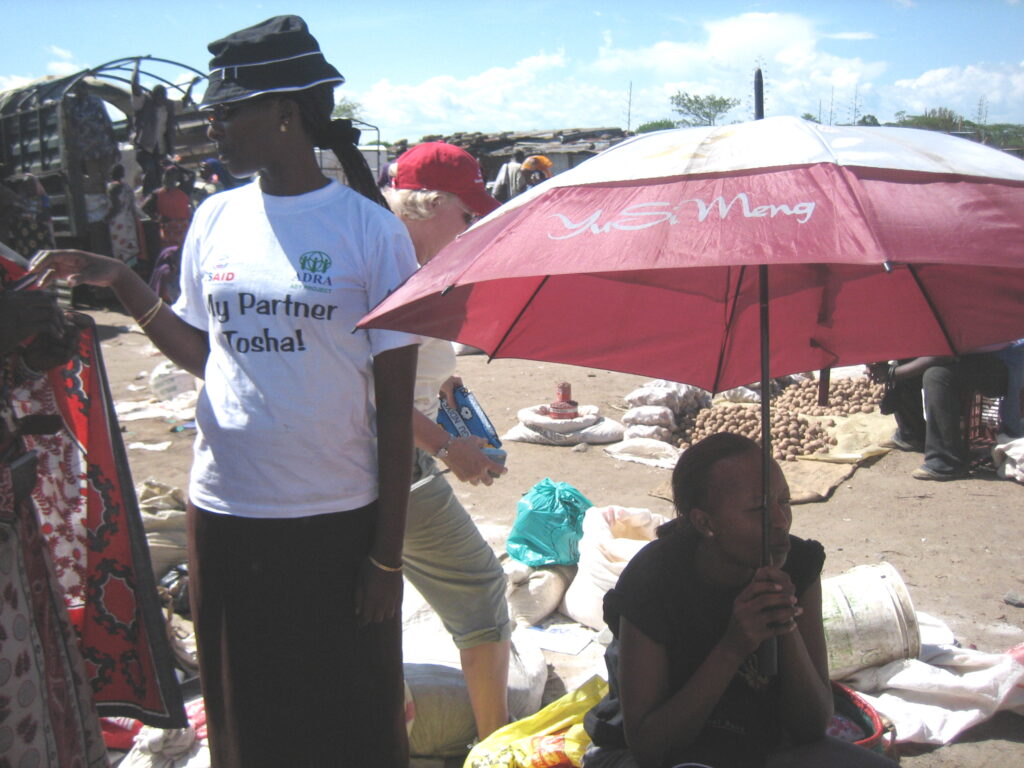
[792,435]
[845,397]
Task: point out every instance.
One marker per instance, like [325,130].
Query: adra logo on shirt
[313,266]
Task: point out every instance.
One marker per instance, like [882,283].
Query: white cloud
[59,52]
[8,82]
[852,36]
[532,93]
[798,71]
[61,68]
[961,88]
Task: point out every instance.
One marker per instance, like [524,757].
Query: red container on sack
[564,406]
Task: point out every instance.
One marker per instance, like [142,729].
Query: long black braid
[339,136]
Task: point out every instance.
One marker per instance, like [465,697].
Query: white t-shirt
[286,420]
[434,365]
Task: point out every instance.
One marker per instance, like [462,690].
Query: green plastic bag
[548,526]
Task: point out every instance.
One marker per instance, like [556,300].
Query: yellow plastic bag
[552,737]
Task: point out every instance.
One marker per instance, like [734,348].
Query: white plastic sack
[536,597]
[1008,457]
[681,398]
[932,702]
[444,722]
[738,395]
[653,397]
[650,416]
[158,748]
[644,450]
[611,536]
[649,433]
[602,432]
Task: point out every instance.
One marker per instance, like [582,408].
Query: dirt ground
[958,545]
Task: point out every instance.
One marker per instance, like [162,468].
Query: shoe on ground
[927,473]
[897,441]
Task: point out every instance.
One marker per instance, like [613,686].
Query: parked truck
[43,133]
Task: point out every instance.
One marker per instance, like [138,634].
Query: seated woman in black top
[689,613]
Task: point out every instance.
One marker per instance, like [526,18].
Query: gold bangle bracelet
[150,314]
[387,568]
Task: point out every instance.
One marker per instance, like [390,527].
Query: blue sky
[424,68]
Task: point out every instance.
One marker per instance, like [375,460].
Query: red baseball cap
[435,165]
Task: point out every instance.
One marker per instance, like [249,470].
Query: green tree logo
[315,261]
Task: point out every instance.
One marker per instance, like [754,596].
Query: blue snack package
[466,418]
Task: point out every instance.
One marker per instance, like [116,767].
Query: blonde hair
[414,204]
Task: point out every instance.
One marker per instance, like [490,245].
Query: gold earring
[284,126]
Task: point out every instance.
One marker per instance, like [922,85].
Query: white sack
[611,536]
[538,596]
[650,416]
[649,433]
[602,432]
[644,450]
[738,395]
[932,702]
[1008,456]
[158,748]
[444,722]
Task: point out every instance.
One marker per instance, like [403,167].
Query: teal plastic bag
[548,526]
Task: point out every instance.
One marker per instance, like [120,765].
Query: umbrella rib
[728,327]
[931,306]
[526,305]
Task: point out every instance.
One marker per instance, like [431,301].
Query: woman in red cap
[300,480]
[437,189]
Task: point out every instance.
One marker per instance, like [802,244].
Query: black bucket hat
[274,56]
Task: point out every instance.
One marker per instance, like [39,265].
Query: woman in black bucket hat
[301,474]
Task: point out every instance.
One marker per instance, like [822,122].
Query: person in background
[934,427]
[166,276]
[436,190]
[153,137]
[213,178]
[688,615]
[509,182]
[171,206]
[92,133]
[539,163]
[300,483]
[123,218]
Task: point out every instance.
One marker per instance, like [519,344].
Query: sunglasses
[224,113]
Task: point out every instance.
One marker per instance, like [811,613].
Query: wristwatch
[442,452]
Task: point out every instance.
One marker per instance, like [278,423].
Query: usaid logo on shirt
[312,272]
[220,274]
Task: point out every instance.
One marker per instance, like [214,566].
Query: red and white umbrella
[882,243]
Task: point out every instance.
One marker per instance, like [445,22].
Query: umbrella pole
[768,653]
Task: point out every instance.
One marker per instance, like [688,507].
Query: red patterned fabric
[45,702]
[89,516]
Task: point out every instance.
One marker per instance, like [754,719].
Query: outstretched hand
[77,267]
[766,608]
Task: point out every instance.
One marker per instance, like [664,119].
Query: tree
[347,108]
[700,110]
[656,125]
[809,117]
[868,120]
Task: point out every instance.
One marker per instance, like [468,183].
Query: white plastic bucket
[869,619]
